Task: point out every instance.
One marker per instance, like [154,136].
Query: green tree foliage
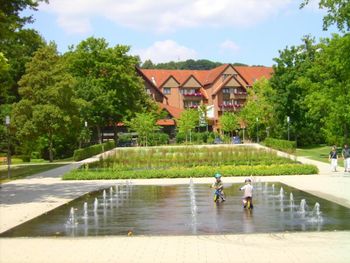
[328,81]
[17,44]
[10,18]
[187,122]
[201,64]
[229,122]
[338,13]
[144,124]
[290,96]
[258,114]
[107,81]
[47,112]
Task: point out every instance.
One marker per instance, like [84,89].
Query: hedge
[81,154]
[200,171]
[282,145]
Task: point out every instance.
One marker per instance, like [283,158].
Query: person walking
[333,157]
[346,156]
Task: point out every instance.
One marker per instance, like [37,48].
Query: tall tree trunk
[346,133]
[50,149]
[115,132]
[99,134]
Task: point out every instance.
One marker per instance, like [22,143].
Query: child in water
[219,187]
[248,193]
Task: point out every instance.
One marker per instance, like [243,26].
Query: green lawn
[21,171]
[318,153]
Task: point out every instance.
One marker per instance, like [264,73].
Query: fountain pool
[186,210]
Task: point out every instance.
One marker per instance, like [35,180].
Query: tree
[289,99]
[18,49]
[328,81]
[144,124]
[258,113]
[187,122]
[48,111]
[10,18]
[338,12]
[107,81]
[228,122]
[148,64]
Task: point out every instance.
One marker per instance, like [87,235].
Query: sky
[226,31]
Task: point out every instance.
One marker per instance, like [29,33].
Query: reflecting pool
[188,209]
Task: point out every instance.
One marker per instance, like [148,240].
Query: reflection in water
[187,209]
[248,226]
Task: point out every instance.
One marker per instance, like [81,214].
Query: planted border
[281,145]
[90,151]
[200,171]
[164,158]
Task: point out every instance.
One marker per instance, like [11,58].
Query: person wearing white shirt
[248,193]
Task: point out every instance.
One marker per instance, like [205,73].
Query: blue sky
[228,31]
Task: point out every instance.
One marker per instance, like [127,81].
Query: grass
[317,153]
[22,171]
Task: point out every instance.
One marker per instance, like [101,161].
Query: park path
[25,199]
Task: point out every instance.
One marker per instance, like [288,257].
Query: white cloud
[229,46]
[74,26]
[165,51]
[165,15]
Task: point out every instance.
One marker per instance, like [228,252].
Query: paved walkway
[24,199]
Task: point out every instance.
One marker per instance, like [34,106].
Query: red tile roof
[166,122]
[173,111]
[159,76]
[251,74]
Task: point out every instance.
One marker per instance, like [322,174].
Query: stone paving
[24,199]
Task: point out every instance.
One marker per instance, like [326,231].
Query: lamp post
[7,123]
[257,129]
[288,121]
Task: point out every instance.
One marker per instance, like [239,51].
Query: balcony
[193,95]
[240,94]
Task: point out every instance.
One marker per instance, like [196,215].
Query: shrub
[25,158]
[35,155]
[158,138]
[87,152]
[282,145]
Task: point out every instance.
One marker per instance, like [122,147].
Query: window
[166,91]
[226,90]
[148,91]
[187,91]
[191,104]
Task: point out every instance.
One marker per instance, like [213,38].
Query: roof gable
[190,80]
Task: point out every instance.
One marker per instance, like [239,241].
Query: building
[221,89]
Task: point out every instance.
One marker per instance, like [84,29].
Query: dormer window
[166,91]
[226,90]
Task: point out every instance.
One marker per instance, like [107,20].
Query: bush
[25,158]
[196,137]
[35,155]
[200,171]
[159,138]
[87,152]
[282,145]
